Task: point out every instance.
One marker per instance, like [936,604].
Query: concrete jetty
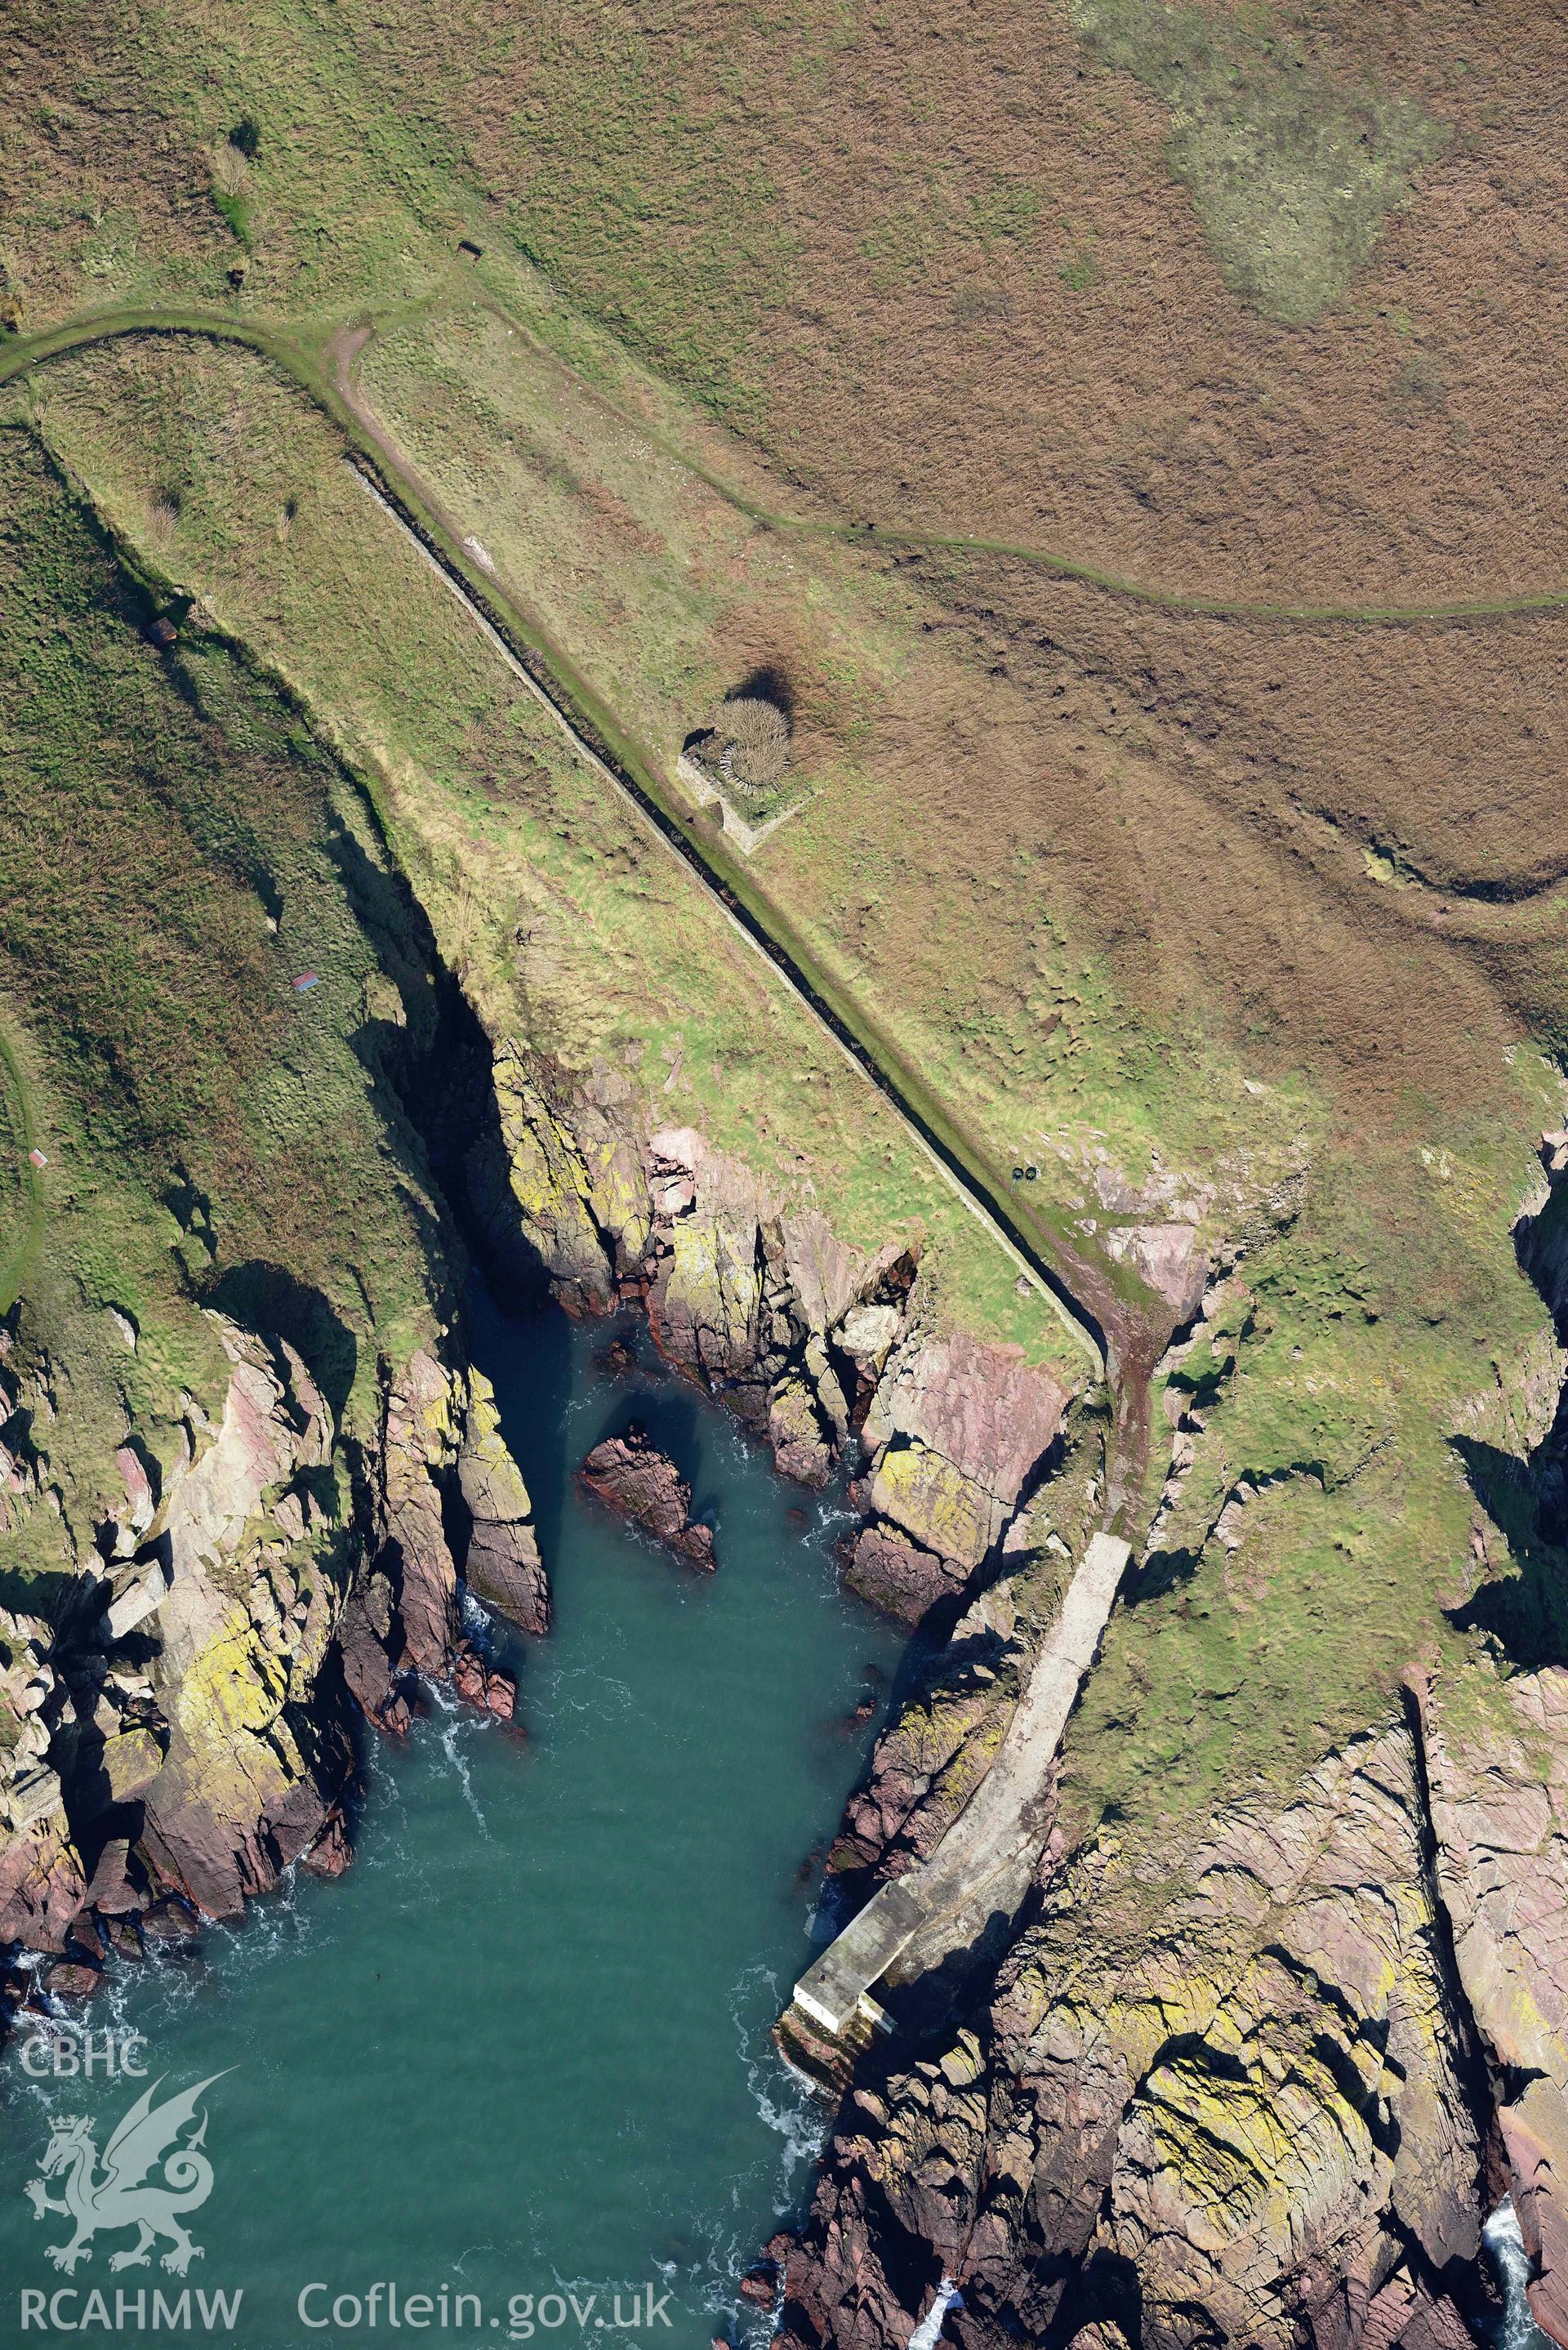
[983,1861]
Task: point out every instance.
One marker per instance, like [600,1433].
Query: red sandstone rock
[959,1428]
[1103,2106]
[364,1639]
[171,1921]
[502,1562]
[41,1884]
[468,1674]
[479,1684]
[503,1567]
[631,1476]
[123,1936]
[67,1980]
[795,1432]
[898,1575]
[331,1853]
[112,1891]
[1497,1762]
[415,1554]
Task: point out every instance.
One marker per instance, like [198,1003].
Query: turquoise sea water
[520,2052]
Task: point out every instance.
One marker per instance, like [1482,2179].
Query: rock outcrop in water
[630,1475]
[441,1440]
[193,1701]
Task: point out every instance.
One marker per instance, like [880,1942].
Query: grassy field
[1351,1364]
[1027,297]
[1376,1312]
[918,871]
[570,931]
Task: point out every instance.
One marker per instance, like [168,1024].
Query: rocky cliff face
[1230,2100]
[821,1349]
[934,1754]
[1240,2092]
[1497,1762]
[184,1729]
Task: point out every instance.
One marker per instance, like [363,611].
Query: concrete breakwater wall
[937,1905]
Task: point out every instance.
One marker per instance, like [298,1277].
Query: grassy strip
[1110,1294]
[14,1273]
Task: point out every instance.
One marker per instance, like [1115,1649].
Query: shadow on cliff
[432,1071]
[529,1357]
[1161,1572]
[271,1301]
[1527,1501]
[1525,1495]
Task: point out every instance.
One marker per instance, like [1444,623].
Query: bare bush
[164,519]
[230,170]
[754,739]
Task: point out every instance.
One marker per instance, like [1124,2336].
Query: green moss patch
[1292,173]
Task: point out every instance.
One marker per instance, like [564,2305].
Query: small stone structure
[737,765]
[707,793]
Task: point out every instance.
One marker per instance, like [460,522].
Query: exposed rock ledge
[822,1350]
[1228,2099]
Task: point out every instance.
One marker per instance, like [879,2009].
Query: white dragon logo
[122,2197]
